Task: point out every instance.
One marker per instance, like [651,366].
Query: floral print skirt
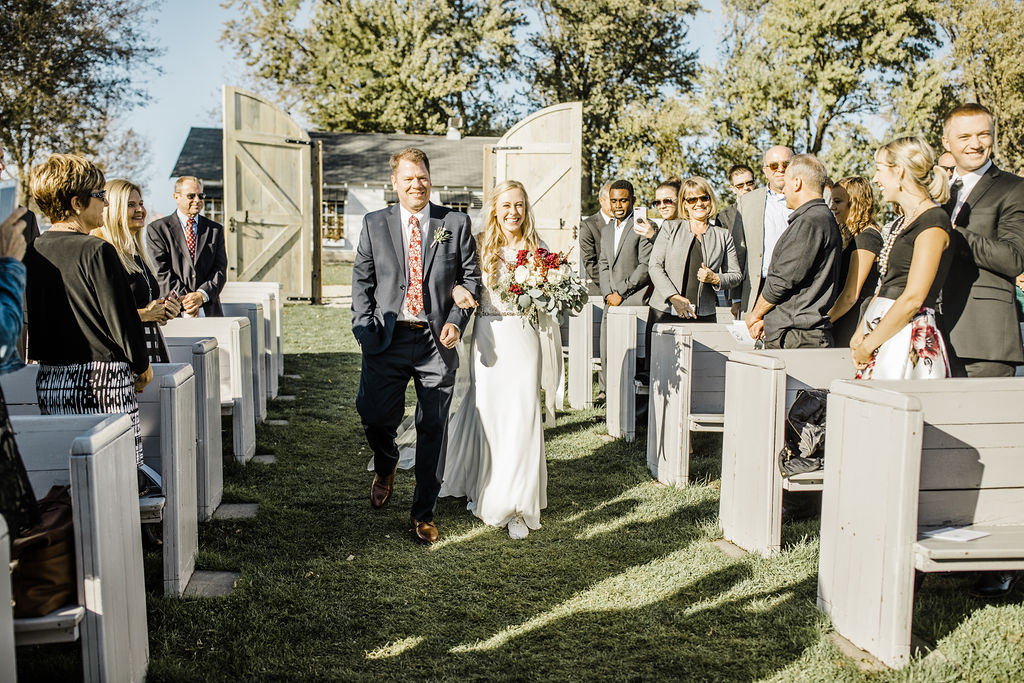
[915,352]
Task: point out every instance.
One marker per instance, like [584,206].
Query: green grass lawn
[621,583]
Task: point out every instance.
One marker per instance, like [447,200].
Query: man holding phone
[189,252]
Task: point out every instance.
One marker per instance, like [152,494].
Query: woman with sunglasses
[85,331]
[693,258]
[666,197]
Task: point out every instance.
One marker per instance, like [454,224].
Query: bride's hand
[463,299]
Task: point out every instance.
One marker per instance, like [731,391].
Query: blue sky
[195,65]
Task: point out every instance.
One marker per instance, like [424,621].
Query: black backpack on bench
[804,450]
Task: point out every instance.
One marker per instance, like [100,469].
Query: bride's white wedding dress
[495,455]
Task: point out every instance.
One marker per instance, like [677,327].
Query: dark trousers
[799,339]
[381,405]
[972,367]
[655,316]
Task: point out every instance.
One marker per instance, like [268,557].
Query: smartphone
[8,198]
[640,211]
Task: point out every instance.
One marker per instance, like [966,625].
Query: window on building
[213,208]
[461,201]
[333,213]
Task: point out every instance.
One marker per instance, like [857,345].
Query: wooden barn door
[543,151]
[267,194]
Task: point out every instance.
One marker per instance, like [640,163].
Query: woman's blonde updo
[918,161]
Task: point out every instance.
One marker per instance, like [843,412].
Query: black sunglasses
[666,202]
[701,198]
[99,194]
[740,186]
[193,195]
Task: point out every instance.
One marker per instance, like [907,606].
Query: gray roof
[354,158]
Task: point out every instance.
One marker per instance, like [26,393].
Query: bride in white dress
[495,455]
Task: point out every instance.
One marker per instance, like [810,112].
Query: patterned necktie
[414,297]
[190,237]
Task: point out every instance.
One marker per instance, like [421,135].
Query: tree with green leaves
[362,65]
[621,58]
[809,77]
[985,37]
[67,66]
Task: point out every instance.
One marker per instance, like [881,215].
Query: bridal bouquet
[541,280]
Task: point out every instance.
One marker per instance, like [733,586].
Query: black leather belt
[413,325]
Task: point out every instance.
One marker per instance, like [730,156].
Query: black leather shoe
[995,585]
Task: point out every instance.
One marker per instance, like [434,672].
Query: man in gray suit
[409,258]
[986,206]
[762,219]
[622,264]
[590,242]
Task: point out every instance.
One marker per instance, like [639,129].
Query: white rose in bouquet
[555,276]
[521,273]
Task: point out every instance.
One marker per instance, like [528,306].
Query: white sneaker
[517,528]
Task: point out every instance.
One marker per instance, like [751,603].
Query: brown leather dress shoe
[425,532]
[381,488]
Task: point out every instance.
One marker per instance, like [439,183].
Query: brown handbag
[43,578]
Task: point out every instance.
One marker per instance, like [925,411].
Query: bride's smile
[511,209]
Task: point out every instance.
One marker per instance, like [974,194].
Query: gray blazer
[748,235]
[668,261]
[379,277]
[590,250]
[625,270]
[978,316]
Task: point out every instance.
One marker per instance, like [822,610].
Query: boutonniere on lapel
[441,236]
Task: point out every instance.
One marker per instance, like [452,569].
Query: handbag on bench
[43,578]
[804,449]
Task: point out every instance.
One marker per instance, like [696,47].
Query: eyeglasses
[99,194]
[193,195]
[749,184]
[693,200]
[666,202]
[777,166]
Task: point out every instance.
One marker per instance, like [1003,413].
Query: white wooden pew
[8,669]
[687,392]
[167,408]
[273,305]
[167,417]
[626,328]
[584,344]
[902,458]
[203,355]
[260,353]
[235,358]
[96,455]
[759,388]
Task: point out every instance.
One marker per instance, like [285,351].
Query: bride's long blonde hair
[492,239]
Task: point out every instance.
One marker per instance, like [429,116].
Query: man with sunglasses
[741,182]
[189,252]
[762,218]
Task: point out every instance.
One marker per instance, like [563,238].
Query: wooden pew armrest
[151,509]
[59,626]
[1002,549]
[805,481]
[707,422]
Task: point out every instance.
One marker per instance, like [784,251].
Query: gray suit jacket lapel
[627,230]
[429,244]
[395,228]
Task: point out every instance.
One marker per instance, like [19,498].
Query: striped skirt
[89,389]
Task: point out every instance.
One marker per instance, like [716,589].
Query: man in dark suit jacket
[188,250]
[591,230]
[987,208]
[978,314]
[409,259]
[622,264]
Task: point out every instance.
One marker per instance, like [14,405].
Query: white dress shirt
[423,218]
[776,220]
[183,219]
[969,181]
